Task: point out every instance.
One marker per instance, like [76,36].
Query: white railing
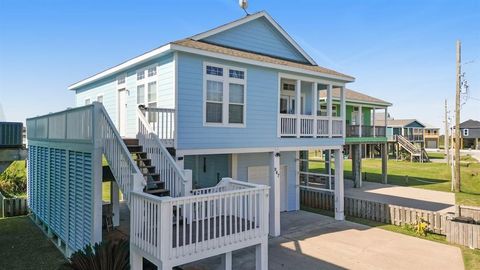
[177,181]
[124,170]
[337,126]
[322,126]
[288,124]
[162,122]
[179,230]
[309,126]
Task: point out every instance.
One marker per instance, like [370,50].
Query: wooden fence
[10,207]
[376,211]
[463,234]
[468,211]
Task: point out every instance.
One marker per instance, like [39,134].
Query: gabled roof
[397,122]
[193,45]
[356,97]
[256,57]
[470,123]
[252,17]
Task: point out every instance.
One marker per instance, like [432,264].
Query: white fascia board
[249,18]
[215,151]
[258,63]
[123,66]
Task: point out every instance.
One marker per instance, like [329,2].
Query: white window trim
[465,132]
[226,80]
[121,85]
[145,81]
[100,95]
[89,101]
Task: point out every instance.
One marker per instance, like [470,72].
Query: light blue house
[241,102]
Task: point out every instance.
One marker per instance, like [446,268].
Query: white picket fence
[179,230]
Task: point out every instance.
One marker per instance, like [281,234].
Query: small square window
[217,71]
[87,101]
[140,75]
[121,79]
[238,74]
[152,71]
[100,98]
[465,132]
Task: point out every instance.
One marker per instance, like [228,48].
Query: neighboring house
[431,137]
[239,101]
[470,132]
[11,144]
[364,138]
[406,134]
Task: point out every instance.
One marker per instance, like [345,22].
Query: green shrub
[13,181]
[108,255]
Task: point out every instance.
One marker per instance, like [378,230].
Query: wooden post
[339,189]
[446,142]
[298,105]
[457,185]
[384,150]
[115,201]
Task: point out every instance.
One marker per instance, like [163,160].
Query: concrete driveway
[313,241]
[403,196]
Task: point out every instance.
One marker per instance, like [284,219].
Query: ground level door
[207,170]
[261,175]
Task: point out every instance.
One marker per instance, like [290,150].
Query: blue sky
[400,51]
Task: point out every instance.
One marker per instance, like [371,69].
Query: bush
[108,255]
[13,181]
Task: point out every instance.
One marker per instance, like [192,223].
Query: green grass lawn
[471,257]
[433,176]
[24,246]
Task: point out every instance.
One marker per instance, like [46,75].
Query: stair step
[155,185]
[145,161]
[135,148]
[131,141]
[158,192]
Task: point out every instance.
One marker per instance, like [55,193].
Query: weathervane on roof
[243,5]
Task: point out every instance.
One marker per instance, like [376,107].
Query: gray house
[470,131]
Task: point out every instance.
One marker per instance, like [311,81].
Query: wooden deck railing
[178,230]
[292,125]
[177,181]
[162,121]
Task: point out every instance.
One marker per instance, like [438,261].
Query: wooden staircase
[416,153]
[155,185]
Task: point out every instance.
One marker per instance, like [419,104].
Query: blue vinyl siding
[263,159]
[108,88]
[415,124]
[261,111]
[258,36]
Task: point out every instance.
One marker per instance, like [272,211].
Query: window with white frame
[323,109]
[87,101]
[225,92]
[121,79]
[465,132]
[141,94]
[100,98]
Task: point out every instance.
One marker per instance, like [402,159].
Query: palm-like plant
[108,255]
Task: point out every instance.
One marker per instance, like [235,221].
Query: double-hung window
[225,94]
[147,88]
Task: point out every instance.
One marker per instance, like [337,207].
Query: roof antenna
[243,5]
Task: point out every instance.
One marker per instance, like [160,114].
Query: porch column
[274,194]
[373,122]
[227,261]
[339,189]
[298,105]
[315,107]
[329,109]
[384,152]
[115,201]
[385,117]
[343,111]
[360,121]
[357,165]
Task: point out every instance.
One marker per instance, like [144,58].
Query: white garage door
[261,175]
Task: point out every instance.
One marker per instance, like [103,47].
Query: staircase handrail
[407,144]
[124,169]
[177,181]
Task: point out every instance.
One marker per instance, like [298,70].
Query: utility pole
[446,138]
[457,119]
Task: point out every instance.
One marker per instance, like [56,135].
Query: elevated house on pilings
[405,138]
[203,137]
[364,138]
[470,134]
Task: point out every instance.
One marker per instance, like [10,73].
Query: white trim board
[189,152]
[252,17]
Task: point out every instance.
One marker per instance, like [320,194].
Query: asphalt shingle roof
[352,95]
